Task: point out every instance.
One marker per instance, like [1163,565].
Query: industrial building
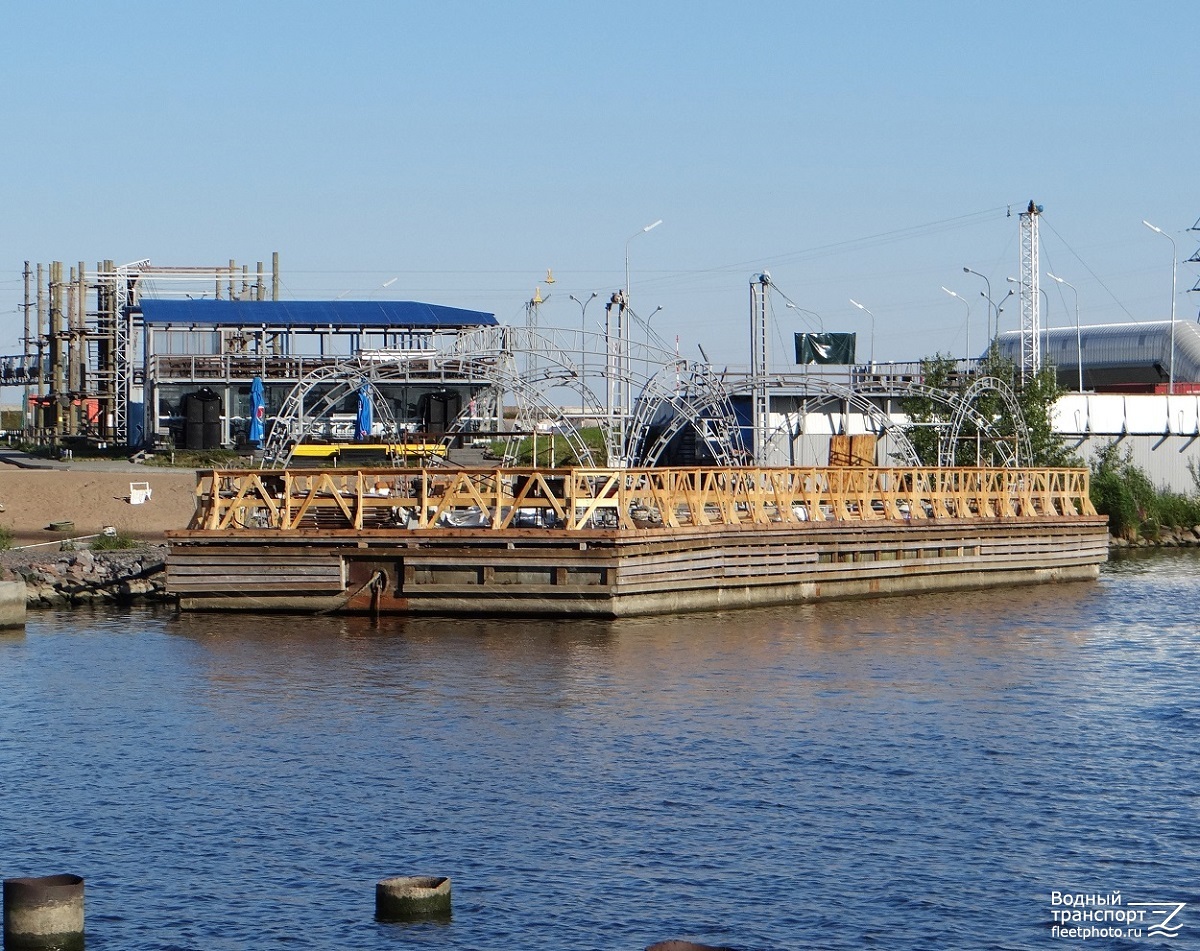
[1142,357]
[143,356]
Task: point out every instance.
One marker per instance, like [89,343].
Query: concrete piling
[43,913]
[12,604]
[408,898]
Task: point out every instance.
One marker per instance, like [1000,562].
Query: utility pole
[760,364]
[25,356]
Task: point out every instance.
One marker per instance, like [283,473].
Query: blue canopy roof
[311,313]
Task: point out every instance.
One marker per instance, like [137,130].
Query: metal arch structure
[489,355]
[534,408]
[961,409]
[299,420]
[699,400]
[702,402]
[529,364]
[965,409]
[829,390]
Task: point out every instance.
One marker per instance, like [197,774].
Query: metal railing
[581,499]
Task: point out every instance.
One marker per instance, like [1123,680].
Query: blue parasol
[258,411]
[363,424]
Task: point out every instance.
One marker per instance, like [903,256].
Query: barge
[621,542]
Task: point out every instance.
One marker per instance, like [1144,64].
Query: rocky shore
[1167,538]
[65,578]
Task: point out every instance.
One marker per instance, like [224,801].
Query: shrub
[1133,505]
[116,542]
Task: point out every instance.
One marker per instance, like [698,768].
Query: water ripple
[898,774]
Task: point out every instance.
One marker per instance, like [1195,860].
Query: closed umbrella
[258,410]
[363,424]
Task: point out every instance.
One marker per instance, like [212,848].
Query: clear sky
[865,150]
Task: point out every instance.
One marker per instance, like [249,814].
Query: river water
[909,773]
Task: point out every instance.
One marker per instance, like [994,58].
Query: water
[901,774]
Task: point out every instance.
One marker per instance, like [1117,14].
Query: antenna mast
[1031,319]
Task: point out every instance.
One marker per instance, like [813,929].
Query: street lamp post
[966,304]
[1174,268]
[991,304]
[872,316]
[1078,335]
[583,346]
[623,334]
[649,227]
[811,313]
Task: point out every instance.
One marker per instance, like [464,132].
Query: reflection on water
[903,773]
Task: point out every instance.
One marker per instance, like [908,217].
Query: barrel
[410,897]
[43,913]
[202,419]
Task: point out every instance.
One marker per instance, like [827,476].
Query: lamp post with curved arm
[872,316]
[1078,334]
[583,342]
[991,303]
[966,304]
[1174,269]
[811,313]
[649,227]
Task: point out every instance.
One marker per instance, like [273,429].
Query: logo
[1106,915]
[1164,917]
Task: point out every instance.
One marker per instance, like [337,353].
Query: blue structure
[341,314]
[365,419]
[258,411]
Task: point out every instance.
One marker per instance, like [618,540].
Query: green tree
[929,419]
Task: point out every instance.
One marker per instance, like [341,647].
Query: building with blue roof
[115,355]
[201,356]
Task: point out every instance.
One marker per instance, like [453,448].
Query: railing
[572,500]
[239,367]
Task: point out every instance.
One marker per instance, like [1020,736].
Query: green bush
[6,538]
[1133,505]
[118,542]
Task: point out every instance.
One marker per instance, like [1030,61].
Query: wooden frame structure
[628,500]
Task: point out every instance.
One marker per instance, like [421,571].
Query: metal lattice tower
[1031,320]
[123,279]
[759,363]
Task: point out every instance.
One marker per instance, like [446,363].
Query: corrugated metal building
[1126,356]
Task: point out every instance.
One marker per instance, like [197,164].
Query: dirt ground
[33,498]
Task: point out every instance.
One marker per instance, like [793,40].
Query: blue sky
[858,150]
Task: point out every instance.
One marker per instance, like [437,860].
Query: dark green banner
[825,348]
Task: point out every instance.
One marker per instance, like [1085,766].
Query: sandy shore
[92,500]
